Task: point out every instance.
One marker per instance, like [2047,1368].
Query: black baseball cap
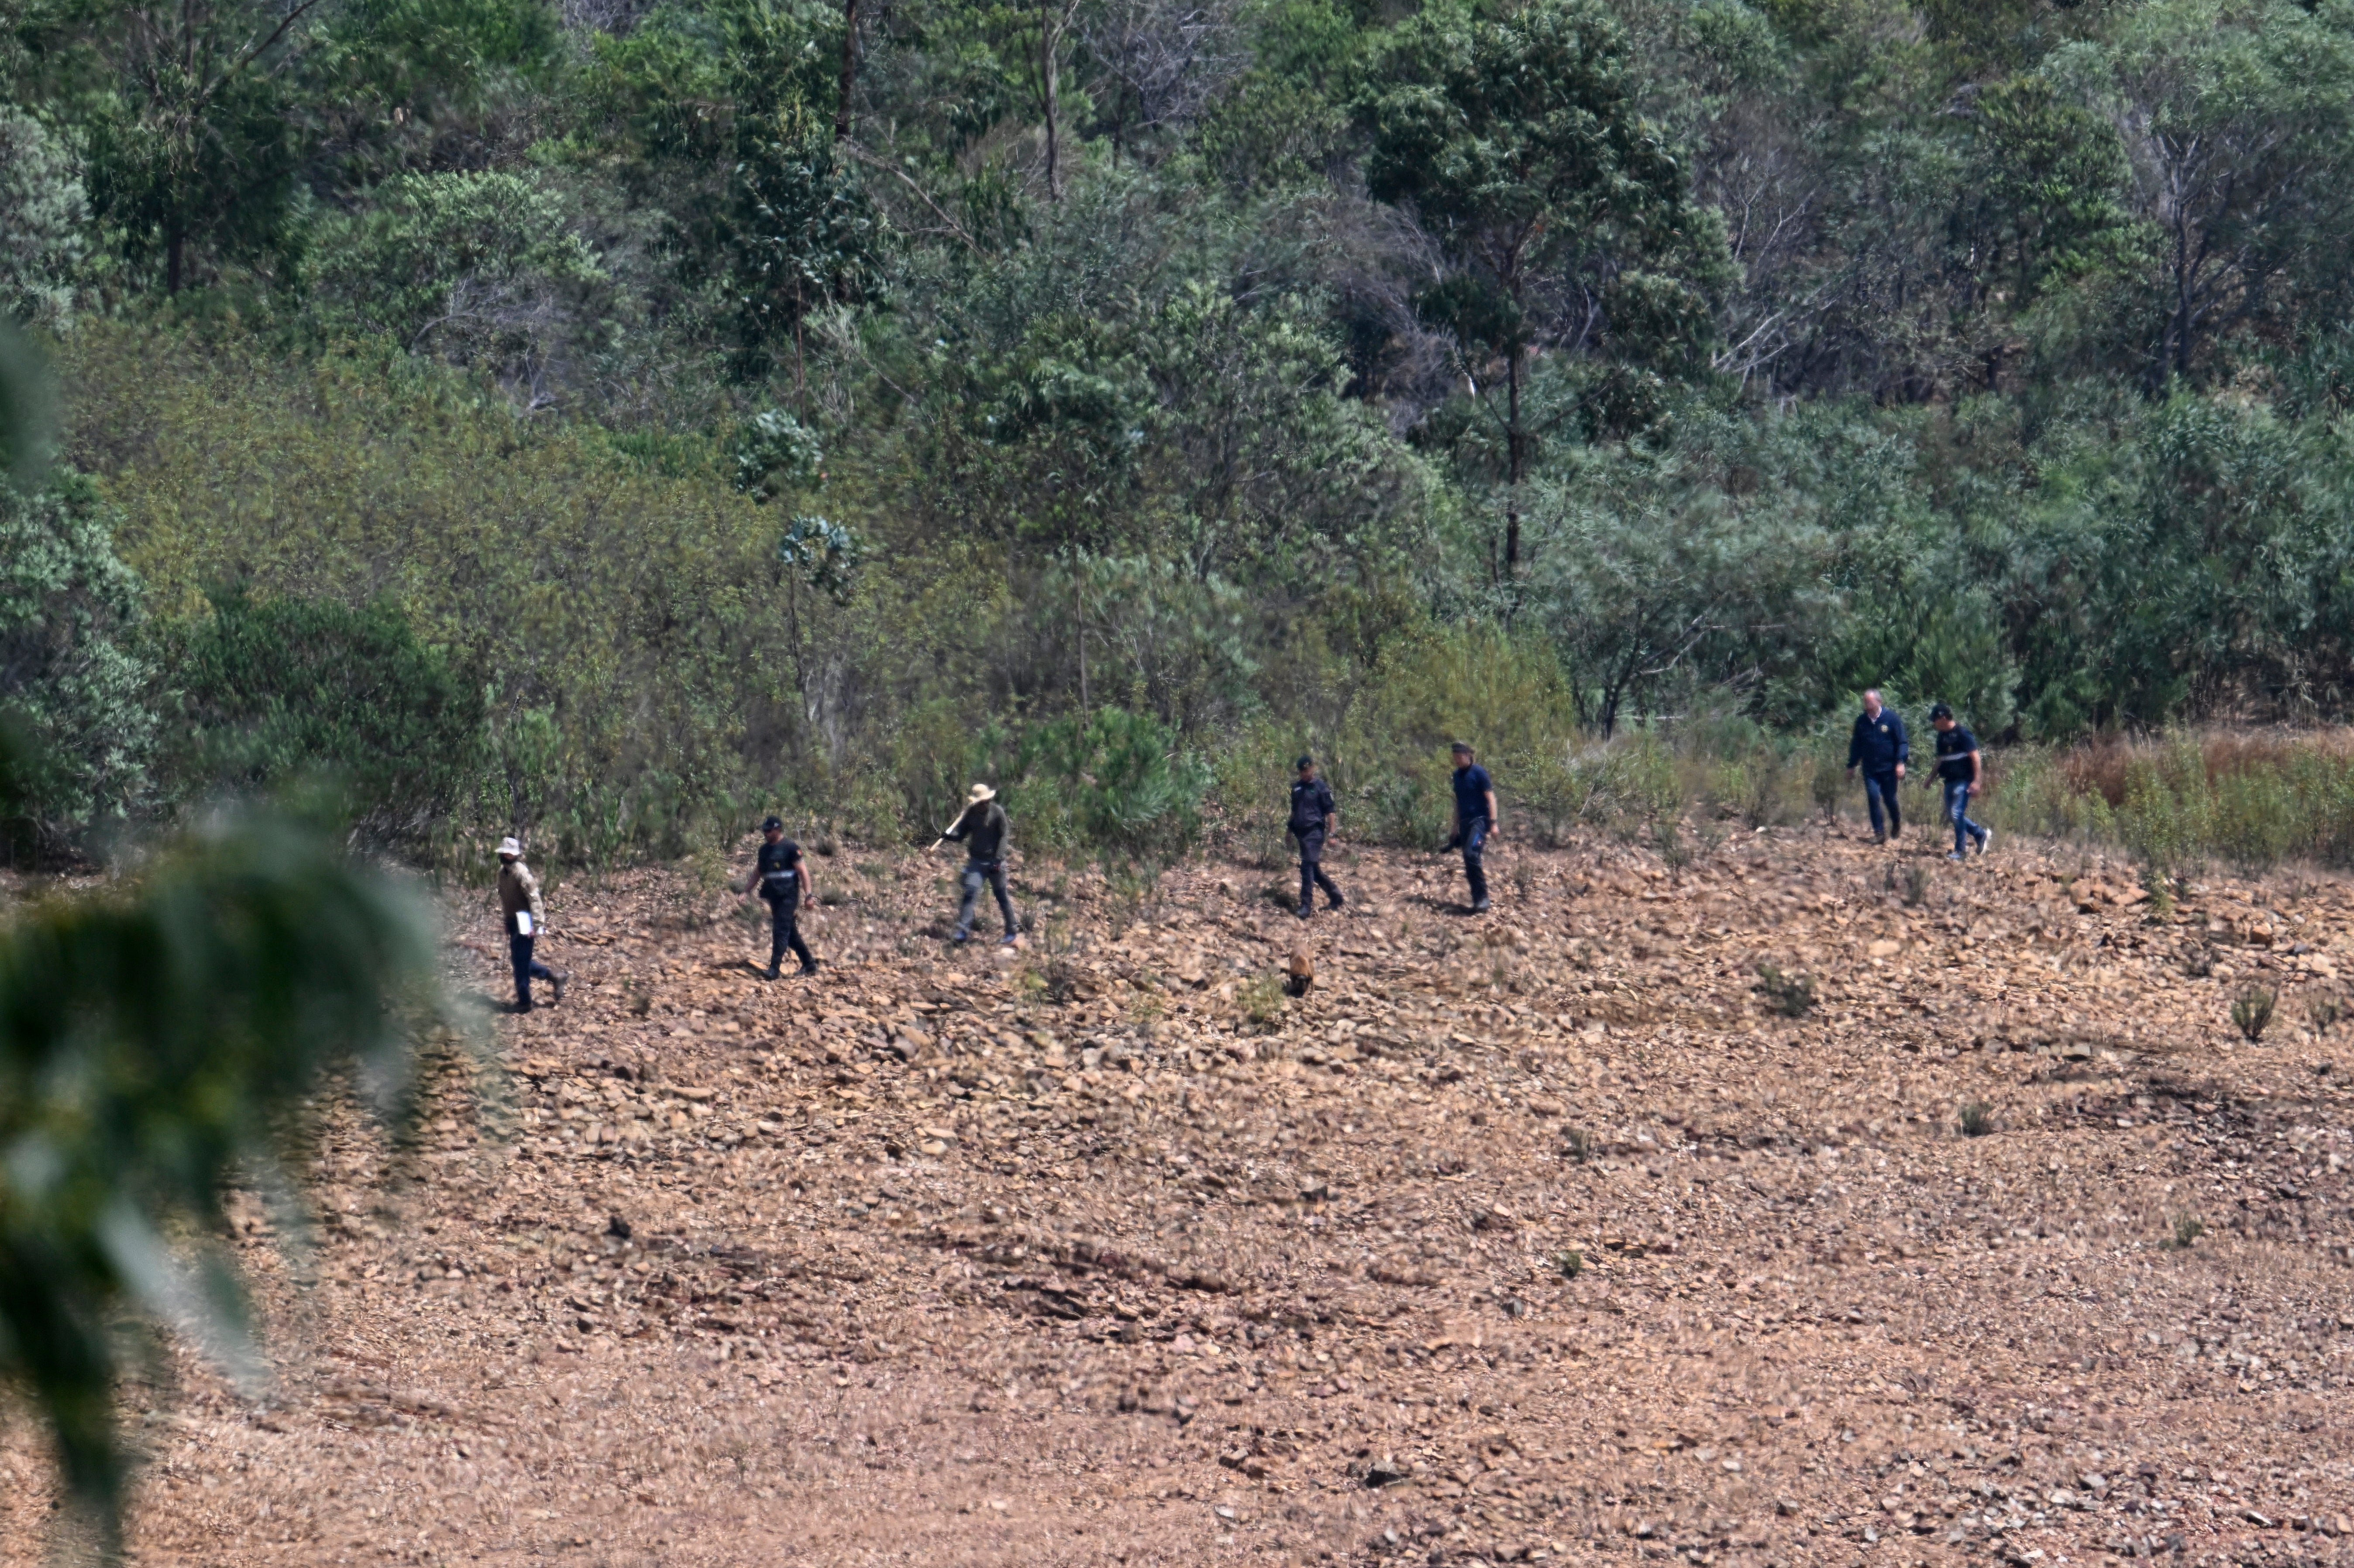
[1305,762]
[1941,711]
[772,824]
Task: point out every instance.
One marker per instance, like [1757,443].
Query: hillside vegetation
[616,420]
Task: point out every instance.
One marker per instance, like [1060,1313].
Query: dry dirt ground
[1536,1236]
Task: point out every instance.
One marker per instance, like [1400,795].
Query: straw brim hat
[510,849]
[979,792]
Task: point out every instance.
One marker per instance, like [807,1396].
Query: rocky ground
[1556,1233]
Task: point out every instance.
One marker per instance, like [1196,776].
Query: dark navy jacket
[1312,803]
[1471,787]
[1879,745]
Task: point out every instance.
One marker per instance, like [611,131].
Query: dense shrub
[74,686]
[276,692]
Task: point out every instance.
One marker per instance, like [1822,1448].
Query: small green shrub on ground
[2187,1230]
[1977,1119]
[2252,1012]
[1791,995]
[1261,999]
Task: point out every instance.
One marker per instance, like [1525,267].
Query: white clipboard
[523,922]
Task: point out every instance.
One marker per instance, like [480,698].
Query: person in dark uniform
[1962,773]
[1880,747]
[1475,820]
[1313,813]
[781,877]
[982,830]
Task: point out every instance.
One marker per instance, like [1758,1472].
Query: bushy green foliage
[75,687]
[44,220]
[1111,779]
[275,692]
[476,266]
[1288,374]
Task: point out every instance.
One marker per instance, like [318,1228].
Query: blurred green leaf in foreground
[157,1040]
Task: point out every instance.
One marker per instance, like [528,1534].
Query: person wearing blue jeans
[1961,772]
[525,918]
[1880,747]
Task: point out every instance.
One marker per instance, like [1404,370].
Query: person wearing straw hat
[525,918]
[982,830]
[781,876]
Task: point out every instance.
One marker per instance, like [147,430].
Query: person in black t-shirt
[1961,773]
[781,876]
[1313,813]
[1475,820]
[982,830]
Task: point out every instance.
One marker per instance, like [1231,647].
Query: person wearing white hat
[526,919]
[982,830]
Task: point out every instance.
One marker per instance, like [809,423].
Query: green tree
[2238,123]
[1563,219]
[44,220]
[199,137]
[804,237]
[482,268]
[74,689]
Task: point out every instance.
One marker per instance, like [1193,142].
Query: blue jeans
[526,968]
[1879,795]
[1958,800]
[1472,836]
[978,874]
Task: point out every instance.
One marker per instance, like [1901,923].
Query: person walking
[1475,820]
[1313,813]
[1962,773]
[780,875]
[525,918]
[1880,746]
[982,829]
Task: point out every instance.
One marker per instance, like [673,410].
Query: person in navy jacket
[1880,746]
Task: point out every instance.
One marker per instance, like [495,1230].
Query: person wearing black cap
[781,877]
[1312,814]
[1475,820]
[1961,771]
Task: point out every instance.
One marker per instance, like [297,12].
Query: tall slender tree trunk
[1514,461]
[849,69]
[1050,36]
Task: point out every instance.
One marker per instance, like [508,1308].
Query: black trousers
[1311,868]
[784,931]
